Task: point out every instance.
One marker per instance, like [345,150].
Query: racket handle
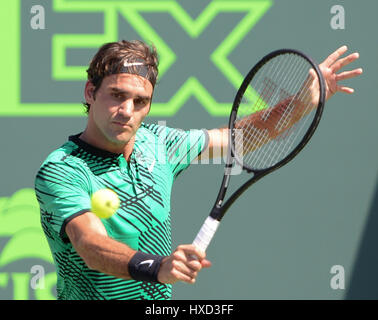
[206,233]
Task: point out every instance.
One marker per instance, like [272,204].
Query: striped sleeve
[180,147]
[62,192]
[183,147]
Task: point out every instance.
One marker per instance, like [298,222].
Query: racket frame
[220,207]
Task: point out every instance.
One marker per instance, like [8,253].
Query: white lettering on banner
[37,22]
[338,280]
[37,281]
[338,18]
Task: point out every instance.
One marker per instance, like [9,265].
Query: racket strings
[277,152]
[254,137]
[295,133]
[278,113]
[274,152]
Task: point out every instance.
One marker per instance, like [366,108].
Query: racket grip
[206,233]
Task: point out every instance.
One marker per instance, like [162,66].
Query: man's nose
[126,108]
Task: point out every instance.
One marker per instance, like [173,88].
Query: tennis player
[127,256]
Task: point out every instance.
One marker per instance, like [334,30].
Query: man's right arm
[102,253]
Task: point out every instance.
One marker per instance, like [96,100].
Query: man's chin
[122,139]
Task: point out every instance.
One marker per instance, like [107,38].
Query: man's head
[118,93]
[111,58]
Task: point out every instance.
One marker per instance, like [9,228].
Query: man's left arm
[218,138]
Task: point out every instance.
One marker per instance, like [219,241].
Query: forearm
[268,118]
[266,125]
[104,254]
[113,258]
[218,144]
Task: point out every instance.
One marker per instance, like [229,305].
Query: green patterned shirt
[72,173]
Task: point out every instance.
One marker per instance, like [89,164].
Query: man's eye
[140,102]
[117,95]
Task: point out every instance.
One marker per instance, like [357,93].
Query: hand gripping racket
[275,113]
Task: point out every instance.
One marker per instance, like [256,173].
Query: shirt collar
[92,149]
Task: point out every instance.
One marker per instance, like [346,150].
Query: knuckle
[174,273]
[201,255]
[175,264]
[176,255]
[181,247]
[195,265]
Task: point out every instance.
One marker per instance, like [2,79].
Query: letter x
[193,52]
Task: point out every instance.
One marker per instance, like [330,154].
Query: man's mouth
[122,124]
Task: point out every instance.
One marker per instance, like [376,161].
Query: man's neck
[126,149]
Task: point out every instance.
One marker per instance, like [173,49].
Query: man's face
[118,107]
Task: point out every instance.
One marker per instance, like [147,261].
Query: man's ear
[89,92]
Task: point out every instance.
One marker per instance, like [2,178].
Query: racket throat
[217,213]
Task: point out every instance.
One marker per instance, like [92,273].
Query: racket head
[281,77]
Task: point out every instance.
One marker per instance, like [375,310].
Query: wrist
[144,266]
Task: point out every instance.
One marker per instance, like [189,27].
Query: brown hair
[111,57]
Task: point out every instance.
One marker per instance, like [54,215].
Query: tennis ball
[105,203]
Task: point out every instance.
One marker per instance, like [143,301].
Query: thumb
[312,74]
[205,263]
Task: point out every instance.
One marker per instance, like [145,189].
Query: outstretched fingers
[349,74]
[345,89]
[333,57]
[333,64]
[339,64]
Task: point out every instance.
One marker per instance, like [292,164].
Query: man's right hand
[182,266]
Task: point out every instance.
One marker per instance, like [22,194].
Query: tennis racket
[275,113]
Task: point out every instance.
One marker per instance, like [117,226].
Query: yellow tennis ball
[105,203]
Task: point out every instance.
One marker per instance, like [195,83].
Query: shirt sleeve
[183,147]
[63,193]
